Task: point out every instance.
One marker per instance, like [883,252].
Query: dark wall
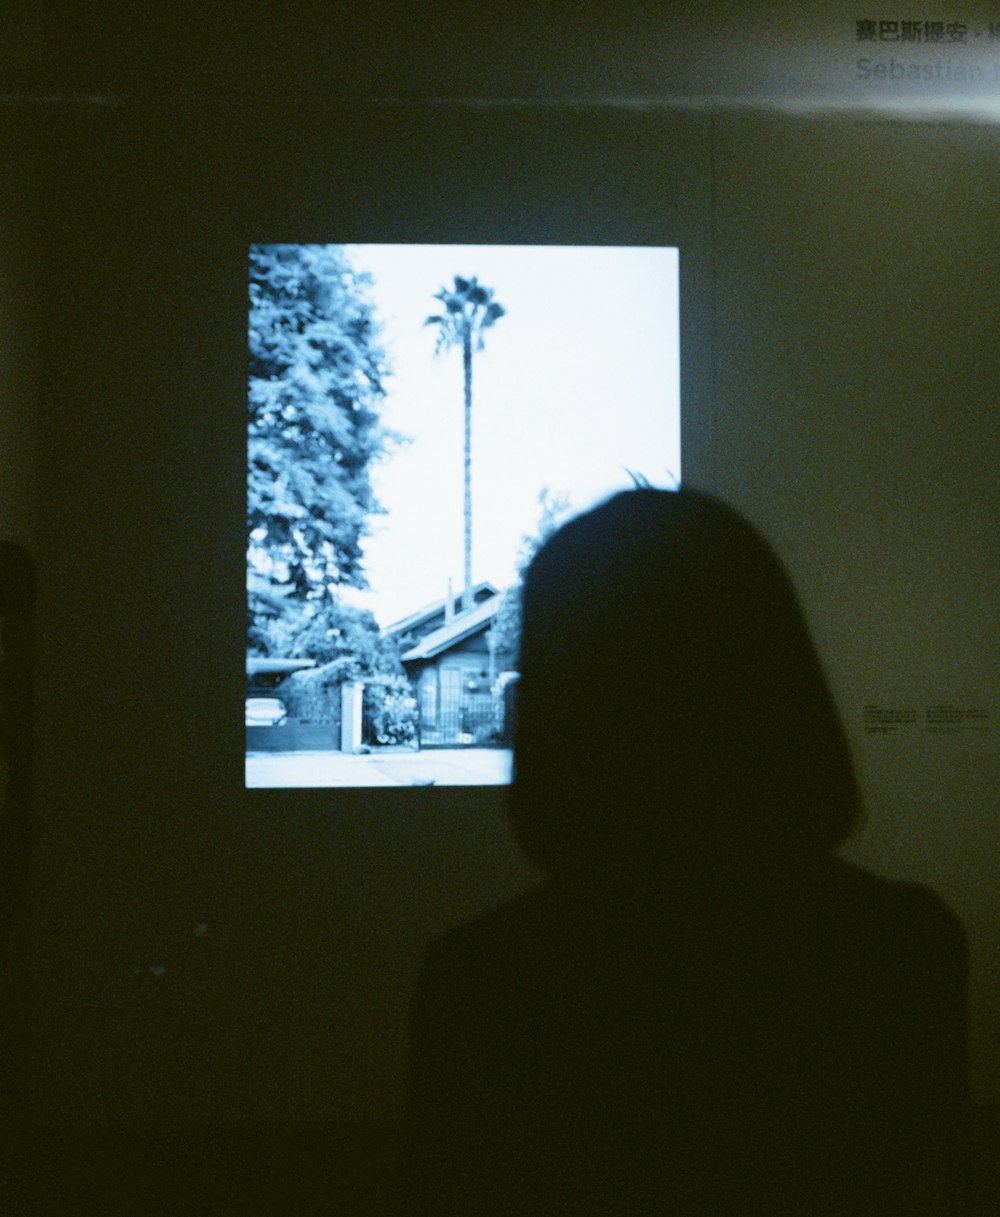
[292,1003]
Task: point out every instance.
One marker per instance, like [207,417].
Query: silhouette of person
[702,1010]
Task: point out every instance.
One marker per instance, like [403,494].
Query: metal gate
[460,713]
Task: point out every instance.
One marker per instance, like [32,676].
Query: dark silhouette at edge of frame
[702,1010]
[17,655]
[17,596]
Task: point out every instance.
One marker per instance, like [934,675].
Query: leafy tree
[552,510]
[350,638]
[317,378]
[469,310]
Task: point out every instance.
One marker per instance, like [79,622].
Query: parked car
[265,711]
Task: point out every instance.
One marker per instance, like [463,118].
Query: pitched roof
[461,626]
[415,620]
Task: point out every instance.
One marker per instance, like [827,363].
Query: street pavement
[383,767]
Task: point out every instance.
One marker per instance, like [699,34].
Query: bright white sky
[577,383]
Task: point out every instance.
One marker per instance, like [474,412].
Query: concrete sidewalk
[385,767]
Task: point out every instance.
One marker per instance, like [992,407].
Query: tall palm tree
[469,310]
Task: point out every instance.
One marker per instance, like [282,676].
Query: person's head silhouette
[671,706]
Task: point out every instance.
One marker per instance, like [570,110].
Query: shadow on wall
[266,1171]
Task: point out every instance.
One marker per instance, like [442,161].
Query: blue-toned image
[420,418]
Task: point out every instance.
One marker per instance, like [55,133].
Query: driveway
[433,767]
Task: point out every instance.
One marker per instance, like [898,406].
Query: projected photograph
[420,419]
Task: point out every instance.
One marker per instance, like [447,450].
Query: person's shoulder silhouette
[702,1010]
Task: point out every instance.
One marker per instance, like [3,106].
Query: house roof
[461,626]
[414,621]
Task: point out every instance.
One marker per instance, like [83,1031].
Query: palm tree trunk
[467,369]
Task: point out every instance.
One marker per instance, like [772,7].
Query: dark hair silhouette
[671,698]
[701,1009]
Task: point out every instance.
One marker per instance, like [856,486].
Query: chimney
[449,605]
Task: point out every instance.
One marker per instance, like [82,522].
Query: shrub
[313,696]
[388,711]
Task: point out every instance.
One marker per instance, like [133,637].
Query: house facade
[450,656]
